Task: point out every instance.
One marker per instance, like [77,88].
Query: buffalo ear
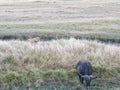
[92,77]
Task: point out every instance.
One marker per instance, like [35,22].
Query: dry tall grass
[22,55]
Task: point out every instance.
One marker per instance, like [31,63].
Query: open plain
[69,30]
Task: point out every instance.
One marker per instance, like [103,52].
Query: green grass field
[108,31]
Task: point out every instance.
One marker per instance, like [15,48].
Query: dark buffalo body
[84,68]
[84,71]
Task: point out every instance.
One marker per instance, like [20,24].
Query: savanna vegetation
[45,61]
[69,31]
[108,31]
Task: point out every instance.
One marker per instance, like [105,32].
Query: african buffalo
[84,71]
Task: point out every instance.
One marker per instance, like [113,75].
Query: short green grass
[51,80]
[104,30]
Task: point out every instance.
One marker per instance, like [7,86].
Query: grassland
[55,60]
[63,27]
[108,31]
[61,19]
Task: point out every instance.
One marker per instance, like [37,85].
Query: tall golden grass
[22,55]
